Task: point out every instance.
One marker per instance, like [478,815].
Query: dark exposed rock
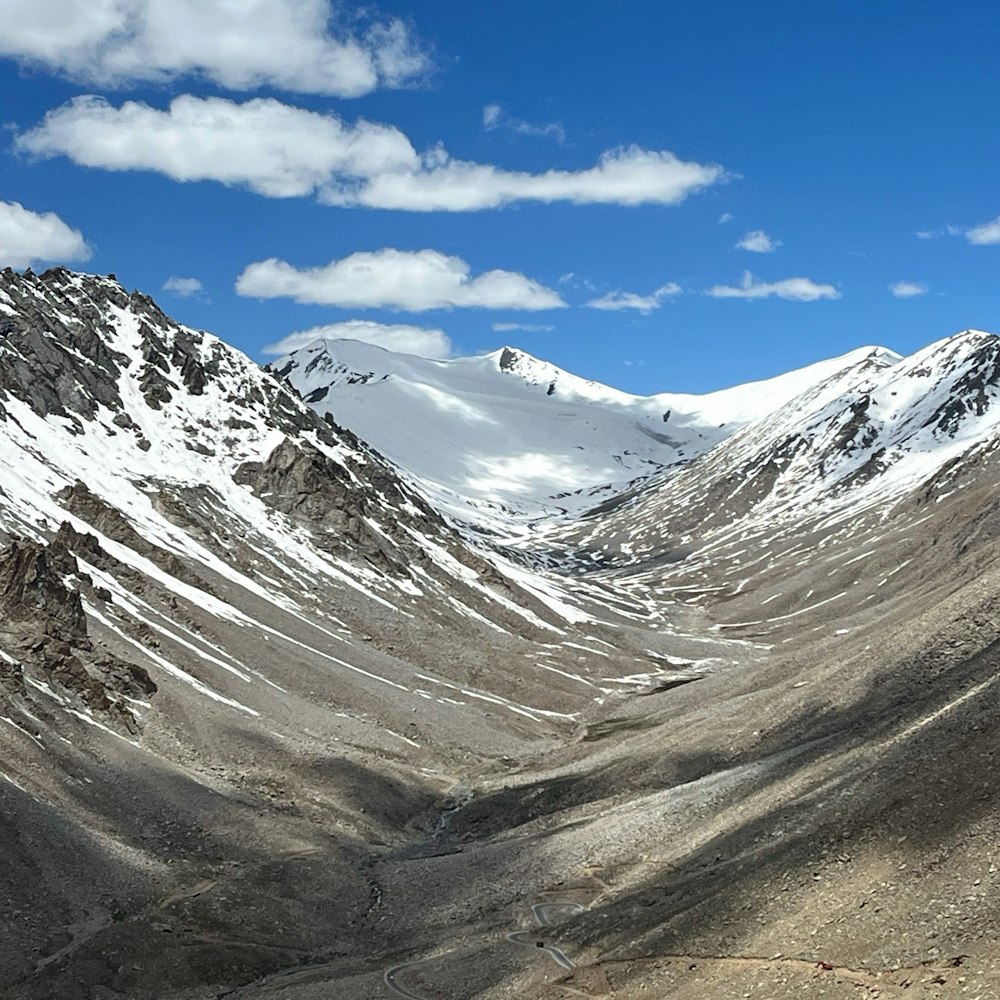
[857,430]
[54,356]
[33,591]
[44,625]
[312,488]
[79,500]
[508,359]
[317,395]
[155,386]
[969,394]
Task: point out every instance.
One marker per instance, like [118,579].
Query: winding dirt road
[528,939]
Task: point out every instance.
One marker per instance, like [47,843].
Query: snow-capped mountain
[170,506]
[279,718]
[506,435]
[874,432]
[884,474]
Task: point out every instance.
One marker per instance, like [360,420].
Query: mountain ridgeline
[350,675]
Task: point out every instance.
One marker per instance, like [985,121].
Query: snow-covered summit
[507,433]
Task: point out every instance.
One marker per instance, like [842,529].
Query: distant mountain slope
[884,475]
[873,433]
[507,434]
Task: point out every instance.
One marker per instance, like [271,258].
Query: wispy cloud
[186,288]
[282,151]
[757,241]
[413,281]
[291,46]
[618,301]
[27,237]
[907,289]
[575,281]
[793,289]
[424,341]
[522,328]
[985,234]
[726,217]
[933,234]
[494,118]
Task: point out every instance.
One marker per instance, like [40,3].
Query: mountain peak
[508,358]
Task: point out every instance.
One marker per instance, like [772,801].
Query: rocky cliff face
[46,637]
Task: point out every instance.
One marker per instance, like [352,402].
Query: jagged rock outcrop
[306,485]
[79,500]
[43,628]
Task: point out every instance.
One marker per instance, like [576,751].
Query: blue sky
[383,164]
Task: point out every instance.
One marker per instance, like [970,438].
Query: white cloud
[907,289]
[400,337]
[186,288]
[414,281]
[627,176]
[283,151]
[757,241]
[522,327]
[272,148]
[494,117]
[793,289]
[241,46]
[27,237]
[925,234]
[645,304]
[726,217]
[986,234]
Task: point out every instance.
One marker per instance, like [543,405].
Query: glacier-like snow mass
[506,435]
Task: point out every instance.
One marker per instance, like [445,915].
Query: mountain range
[507,433]
[356,674]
